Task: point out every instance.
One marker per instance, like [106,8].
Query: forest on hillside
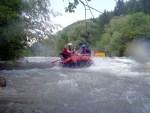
[113,32]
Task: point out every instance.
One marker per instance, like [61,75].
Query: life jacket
[65,52]
[87,51]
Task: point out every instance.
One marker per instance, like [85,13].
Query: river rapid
[110,85]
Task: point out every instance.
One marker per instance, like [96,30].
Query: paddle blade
[55,61]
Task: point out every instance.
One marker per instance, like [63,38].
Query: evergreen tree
[133,6]
[119,8]
[145,6]
[104,19]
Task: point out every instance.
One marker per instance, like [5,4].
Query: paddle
[56,61]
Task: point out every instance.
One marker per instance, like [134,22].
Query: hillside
[67,28]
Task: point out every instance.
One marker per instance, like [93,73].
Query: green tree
[11,31]
[133,6]
[72,5]
[112,41]
[83,33]
[22,22]
[121,31]
[104,19]
[36,17]
[61,43]
[138,26]
[119,8]
[145,6]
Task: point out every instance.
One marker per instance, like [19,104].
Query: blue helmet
[83,46]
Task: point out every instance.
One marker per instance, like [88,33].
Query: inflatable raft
[78,61]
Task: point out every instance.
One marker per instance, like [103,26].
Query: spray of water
[139,48]
[47,48]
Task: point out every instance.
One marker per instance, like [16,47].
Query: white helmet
[69,44]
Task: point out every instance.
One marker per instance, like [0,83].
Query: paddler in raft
[67,51]
[85,50]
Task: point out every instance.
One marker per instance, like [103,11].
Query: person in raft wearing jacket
[85,50]
[67,51]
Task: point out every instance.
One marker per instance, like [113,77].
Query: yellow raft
[100,54]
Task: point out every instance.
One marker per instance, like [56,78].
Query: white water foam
[115,65]
[40,59]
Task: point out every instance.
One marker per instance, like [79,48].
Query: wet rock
[2,82]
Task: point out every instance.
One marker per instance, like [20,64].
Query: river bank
[27,63]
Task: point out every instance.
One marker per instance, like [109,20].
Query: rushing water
[110,85]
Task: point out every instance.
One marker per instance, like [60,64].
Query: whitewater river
[110,85]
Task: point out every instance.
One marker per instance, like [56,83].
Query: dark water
[111,85]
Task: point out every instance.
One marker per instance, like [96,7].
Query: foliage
[72,5]
[8,11]
[116,29]
[138,26]
[36,15]
[11,31]
[83,32]
[61,43]
[112,40]
[104,19]
[123,30]
[131,6]
[145,6]
[23,21]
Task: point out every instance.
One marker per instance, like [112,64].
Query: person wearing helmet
[85,50]
[67,51]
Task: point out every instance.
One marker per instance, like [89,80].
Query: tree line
[113,31]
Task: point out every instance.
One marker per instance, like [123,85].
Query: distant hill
[65,29]
[69,26]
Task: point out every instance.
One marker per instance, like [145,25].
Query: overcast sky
[69,18]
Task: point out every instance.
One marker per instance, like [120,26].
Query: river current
[110,85]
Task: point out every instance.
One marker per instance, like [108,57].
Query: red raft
[78,61]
